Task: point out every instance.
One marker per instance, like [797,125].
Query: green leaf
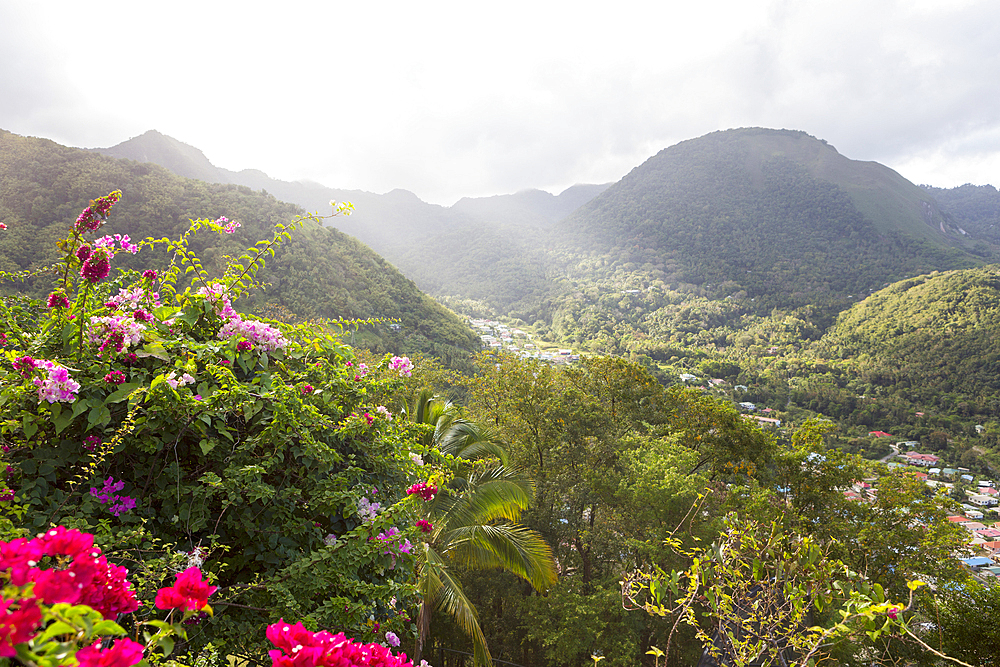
[61,420]
[122,392]
[108,628]
[98,415]
[207,446]
[57,628]
[29,426]
[153,350]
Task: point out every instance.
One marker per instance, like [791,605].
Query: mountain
[975,208]
[528,208]
[777,214]
[319,273]
[481,249]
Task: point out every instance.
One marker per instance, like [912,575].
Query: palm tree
[474,523]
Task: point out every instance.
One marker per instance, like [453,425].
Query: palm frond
[511,547]
[467,440]
[485,503]
[450,598]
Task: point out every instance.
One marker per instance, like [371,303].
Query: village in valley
[497,336]
[980,514]
[979,499]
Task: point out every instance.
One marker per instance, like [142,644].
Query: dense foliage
[180,431]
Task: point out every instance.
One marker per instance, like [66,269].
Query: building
[926,460]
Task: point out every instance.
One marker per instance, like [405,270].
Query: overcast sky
[453,99]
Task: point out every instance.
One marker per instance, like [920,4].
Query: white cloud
[449,99]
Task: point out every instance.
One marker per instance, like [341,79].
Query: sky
[455,99]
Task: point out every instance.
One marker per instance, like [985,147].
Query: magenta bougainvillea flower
[189,593]
[124,653]
[97,266]
[58,299]
[298,647]
[94,215]
[423,490]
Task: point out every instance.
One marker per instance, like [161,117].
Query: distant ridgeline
[320,273]
[974,208]
[481,249]
[735,222]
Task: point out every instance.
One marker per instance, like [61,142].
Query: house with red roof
[880,434]
[926,460]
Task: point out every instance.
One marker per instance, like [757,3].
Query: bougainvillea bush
[62,601]
[144,408]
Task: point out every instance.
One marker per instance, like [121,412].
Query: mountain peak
[177,156]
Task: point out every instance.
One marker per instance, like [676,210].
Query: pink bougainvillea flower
[19,625]
[97,266]
[189,593]
[124,653]
[58,299]
[425,526]
[423,490]
[87,578]
[401,364]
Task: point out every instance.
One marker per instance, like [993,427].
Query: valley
[747,335]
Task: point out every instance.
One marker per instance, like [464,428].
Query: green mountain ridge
[935,333]
[775,213]
[320,273]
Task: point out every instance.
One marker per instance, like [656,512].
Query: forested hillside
[975,208]
[319,273]
[773,213]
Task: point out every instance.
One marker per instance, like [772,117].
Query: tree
[472,522]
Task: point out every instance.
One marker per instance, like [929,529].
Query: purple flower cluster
[91,442]
[401,364]
[94,215]
[109,495]
[253,331]
[392,542]
[368,511]
[108,244]
[119,331]
[58,385]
